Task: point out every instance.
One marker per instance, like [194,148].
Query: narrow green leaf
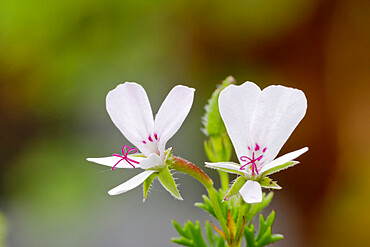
[271,218]
[179,229]
[168,183]
[183,241]
[221,242]
[249,236]
[209,233]
[197,235]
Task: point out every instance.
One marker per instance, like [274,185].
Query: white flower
[259,123]
[129,108]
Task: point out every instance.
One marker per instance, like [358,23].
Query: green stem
[189,168]
[216,206]
[239,222]
[224,177]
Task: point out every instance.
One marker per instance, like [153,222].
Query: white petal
[278,112]
[129,108]
[229,167]
[237,104]
[283,159]
[112,160]
[251,192]
[152,161]
[131,183]
[172,113]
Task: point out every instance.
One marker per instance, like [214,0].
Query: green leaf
[268,183]
[212,121]
[190,234]
[264,237]
[209,233]
[147,183]
[206,206]
[249,236]
[279,168]
[234,190]
[168,182]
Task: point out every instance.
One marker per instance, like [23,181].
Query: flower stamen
[252,161]
[124,156]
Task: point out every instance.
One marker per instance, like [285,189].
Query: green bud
[212,121]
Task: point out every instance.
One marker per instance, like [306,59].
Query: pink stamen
[252,161]
[150,139]
[257,147]
[264,150]
[124,156]
[155,136]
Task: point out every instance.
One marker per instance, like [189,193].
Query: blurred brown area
[58,60]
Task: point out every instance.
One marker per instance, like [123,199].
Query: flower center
[125,151]
[151,143]
[255,156]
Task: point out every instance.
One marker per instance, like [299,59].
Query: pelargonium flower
[129,108]
[259,123]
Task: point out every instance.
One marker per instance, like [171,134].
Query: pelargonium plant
[255,122]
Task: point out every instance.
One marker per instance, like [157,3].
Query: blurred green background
[58,60]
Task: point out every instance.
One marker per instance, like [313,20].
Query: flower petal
[278,111]
[229,167]
[152,161]
[237,104]
[282,160]
[129,108]
[131,183]
[112,160]
[172,114]
[251,192]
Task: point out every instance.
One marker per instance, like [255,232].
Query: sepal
[234,190]
[147,184]
[280,168]
[268,183]
[167,181]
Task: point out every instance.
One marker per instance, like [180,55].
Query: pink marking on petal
[150,139]
[257,147]
[264,150]
[144,142]
[249,148]
[155,136]
[259,158]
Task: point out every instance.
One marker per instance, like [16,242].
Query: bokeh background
[58,60]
